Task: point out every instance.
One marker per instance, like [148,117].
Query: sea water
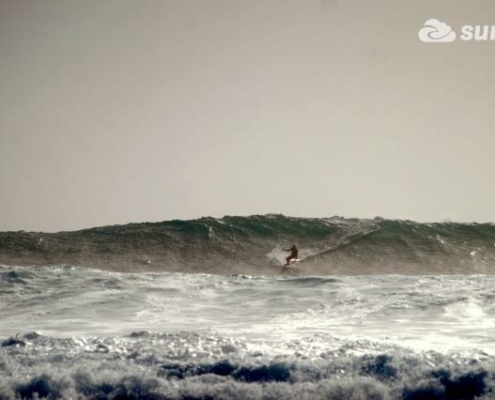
[79,333]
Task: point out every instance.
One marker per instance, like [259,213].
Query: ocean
[375,309]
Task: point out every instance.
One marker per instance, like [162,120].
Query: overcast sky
[116,111]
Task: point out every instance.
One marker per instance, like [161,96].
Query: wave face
[254,245]
[77,333]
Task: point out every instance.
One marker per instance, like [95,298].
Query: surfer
[293,254]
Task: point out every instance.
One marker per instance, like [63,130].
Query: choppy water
[72,332]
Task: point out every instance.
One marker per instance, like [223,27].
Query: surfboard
[291,262]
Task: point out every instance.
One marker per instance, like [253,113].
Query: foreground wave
[254,245]
[191,366]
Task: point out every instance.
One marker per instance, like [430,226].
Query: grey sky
[127,111]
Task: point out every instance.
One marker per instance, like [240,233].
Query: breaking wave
[190,366]
[255,245]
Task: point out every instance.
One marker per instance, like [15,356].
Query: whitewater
[202,310]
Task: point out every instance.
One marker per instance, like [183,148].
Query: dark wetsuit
[293,254]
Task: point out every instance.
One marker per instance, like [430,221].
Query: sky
[120,111]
